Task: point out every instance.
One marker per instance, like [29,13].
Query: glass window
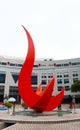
[20,65]
[66,81]
[34,88]
[50,75]
[59,76]
[75,74]
[66,75]
[13,90]
[58,65]
[59,81]
[3,63]
[44,75]
[75,79]
[49,81]
[34,79]
[35,65]
[15,77]
[2,78]
[67,88]
[1,89]
[59,88]
[12,64]
[44,82]
[66,64]
[74,63]
[43,87]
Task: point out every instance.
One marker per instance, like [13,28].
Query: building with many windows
[66,72]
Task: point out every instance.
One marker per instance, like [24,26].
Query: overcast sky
[53,24]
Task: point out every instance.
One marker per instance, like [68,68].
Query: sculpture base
[39,113]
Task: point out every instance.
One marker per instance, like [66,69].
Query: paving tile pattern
[59,126]
[55,122]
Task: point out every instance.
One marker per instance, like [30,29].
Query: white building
[66,72]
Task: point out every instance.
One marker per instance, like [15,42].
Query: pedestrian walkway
[59,126]
[47,122]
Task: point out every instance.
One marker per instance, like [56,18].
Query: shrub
[23,105]
[8,104]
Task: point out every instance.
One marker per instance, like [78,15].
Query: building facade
[66,72]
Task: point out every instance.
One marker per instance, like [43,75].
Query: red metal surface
[39,100]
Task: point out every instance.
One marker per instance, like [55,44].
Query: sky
[54,26]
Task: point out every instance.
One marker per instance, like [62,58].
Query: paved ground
[61,126]
[49,122]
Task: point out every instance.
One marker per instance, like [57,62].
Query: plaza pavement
[60,126]
[50,122]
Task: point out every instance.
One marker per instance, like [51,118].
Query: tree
[8,105]
[75,87]
[24,105]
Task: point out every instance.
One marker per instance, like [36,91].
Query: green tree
[8,105]
[24,105]
[75,87]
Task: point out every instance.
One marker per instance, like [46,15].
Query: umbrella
[11,99]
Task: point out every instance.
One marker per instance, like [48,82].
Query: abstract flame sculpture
[40,100]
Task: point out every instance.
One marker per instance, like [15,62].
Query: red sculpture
[40,100]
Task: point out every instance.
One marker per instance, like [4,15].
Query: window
[75,79]
[15,77]
[1,89]
[49,81]
[66,81]
[44,82]
[66,64]
[75,74]
[34,79]
[66,75]
[59,76]
[43,87]
[3,63]
[12,64]
[13,90]
[74,63]
[50,75]
[35,65]
[44,75]
[34,88]
[67,88]
[2,77]
[59,81]
[20,65]
[59,88]
[58,65]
